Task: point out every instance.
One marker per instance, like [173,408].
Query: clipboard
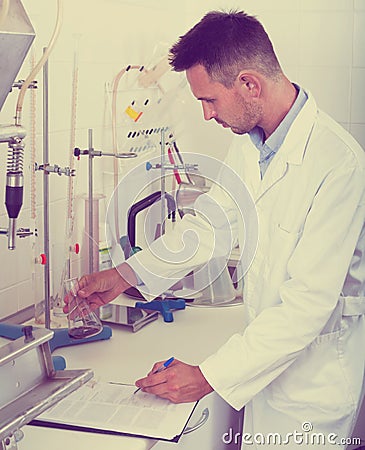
[112,408]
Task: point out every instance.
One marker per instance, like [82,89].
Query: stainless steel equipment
[29,383]
[16,37]
[13,135]
[131,318]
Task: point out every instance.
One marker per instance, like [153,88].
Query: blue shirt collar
[275,140]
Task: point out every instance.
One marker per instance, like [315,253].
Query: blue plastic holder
[60,338]
[163,306]
[11,331]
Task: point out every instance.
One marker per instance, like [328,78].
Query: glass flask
[82,322]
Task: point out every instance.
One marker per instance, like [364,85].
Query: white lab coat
[300,357]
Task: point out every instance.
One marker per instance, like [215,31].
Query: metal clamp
[20,232]
[166,166]
[55,169]
[18,84]
[200,422]
[91,152]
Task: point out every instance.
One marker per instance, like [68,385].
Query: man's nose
[208,112]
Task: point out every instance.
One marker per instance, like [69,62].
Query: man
[298,365]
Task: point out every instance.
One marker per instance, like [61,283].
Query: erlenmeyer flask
[82,322]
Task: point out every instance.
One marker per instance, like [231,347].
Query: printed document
[113,407]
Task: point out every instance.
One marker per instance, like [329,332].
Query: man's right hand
[102,287]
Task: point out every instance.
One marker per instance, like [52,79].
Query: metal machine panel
[29,383]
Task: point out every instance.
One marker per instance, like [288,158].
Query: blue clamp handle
[163,306]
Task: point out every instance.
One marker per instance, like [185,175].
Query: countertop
[195,333]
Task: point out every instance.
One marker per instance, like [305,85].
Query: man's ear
[249,84]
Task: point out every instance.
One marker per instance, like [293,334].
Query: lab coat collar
[293,148]
[295,142]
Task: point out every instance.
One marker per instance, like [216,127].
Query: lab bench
[194,334]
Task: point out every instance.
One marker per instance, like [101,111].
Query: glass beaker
[214,283]
[82,322]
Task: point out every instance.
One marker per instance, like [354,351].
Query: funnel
[16,37]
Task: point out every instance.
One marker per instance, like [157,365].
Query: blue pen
[160,369]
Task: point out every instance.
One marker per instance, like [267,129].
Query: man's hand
[102,287]
[179,383]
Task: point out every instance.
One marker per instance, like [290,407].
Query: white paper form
[114,407]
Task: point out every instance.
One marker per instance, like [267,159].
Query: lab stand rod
[91,209]
[47,310]
[163,182]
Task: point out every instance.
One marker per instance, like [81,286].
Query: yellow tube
[114,103]
[4,12]
[40,63]
[115,142]
[146,78]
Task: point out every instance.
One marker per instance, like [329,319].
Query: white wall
[320,43]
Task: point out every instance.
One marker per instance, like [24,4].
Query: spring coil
[15,159]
